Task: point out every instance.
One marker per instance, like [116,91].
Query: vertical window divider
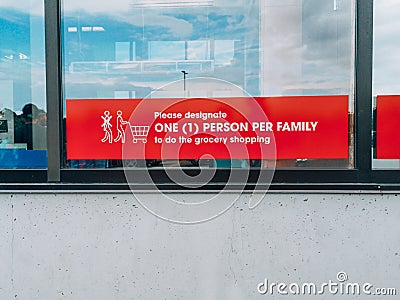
[53,87]
[363,89]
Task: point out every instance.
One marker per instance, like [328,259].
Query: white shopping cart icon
[139,133]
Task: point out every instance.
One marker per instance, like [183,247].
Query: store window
[386,90]
[308,49]
[23,119]
[295,56]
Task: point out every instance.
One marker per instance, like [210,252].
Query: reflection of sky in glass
[224,52]
[267,47]
[160,43]
[287,47]
[308,47]
[22,72]
[198,50]
[166,50]
[122,51]
[386,47]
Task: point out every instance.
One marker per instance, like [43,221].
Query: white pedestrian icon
[121,132]
[107,127]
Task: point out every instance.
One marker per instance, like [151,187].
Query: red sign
[312,127]
[387,127]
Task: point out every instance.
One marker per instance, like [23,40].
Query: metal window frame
[53,87]
[361,177]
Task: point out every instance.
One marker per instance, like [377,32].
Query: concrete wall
[106,246]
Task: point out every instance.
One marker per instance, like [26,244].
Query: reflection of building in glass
[299,47]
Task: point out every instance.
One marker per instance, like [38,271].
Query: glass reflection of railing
[141,66]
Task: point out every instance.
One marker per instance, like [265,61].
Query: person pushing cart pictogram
[121,132]
[107,127]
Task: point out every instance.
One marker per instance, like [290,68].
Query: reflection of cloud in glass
[99,6]
[307,47]
[156,22]
[386,47]
[198,50]
[22,66]
[167,50]
[123,51]
[32,6]
[116,6]
[30,78]
[224,51]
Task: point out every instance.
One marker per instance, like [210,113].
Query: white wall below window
[106,246]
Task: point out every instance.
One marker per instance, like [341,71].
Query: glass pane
[22,85]
[224,52]
[166,50]
[308,49]
[122,51]
[264,49]
[198,50]
[386,90]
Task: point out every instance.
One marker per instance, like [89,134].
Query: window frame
[361,177]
